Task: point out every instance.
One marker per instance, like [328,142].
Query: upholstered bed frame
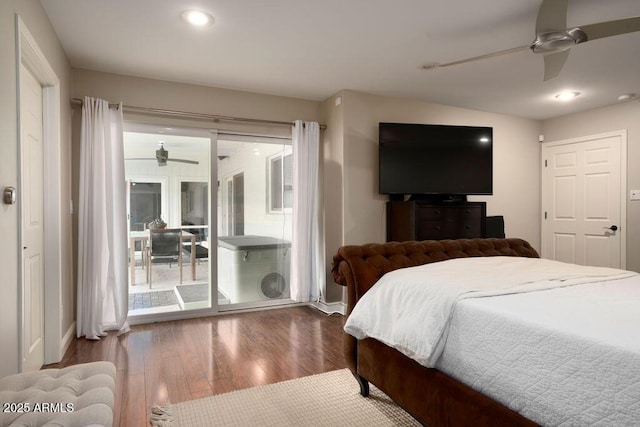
[432,397]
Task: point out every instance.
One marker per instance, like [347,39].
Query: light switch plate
[634,195]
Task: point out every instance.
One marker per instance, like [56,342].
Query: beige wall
[612,118]
[35,19]
[516,191]
[160,94]
[355,212]
[333,154]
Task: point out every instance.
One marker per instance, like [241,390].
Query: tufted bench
[79,395]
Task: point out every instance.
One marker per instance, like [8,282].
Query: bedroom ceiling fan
[162,157]
[553,38]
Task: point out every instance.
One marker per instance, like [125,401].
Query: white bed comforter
[410,309]
[563,357]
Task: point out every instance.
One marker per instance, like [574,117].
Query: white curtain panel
[307,246]
[102,227]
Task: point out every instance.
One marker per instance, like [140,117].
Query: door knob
[612,228]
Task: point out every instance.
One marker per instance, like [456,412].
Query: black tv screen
[420,159]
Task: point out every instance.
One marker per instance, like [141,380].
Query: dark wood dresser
[428,220]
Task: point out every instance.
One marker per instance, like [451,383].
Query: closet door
[584,200]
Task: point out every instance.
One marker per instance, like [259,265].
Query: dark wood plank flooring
[190,359]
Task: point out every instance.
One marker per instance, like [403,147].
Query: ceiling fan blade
[611,28]
[552,16]
[192,162]
[553,63]
[478,58]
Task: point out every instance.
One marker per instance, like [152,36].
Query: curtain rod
[199,116]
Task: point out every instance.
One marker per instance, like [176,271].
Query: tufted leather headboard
[359,267]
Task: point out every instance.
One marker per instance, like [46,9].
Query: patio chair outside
[200,233]
[201,252]
[164,246]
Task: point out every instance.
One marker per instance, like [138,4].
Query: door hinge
[545,163]
[545,215]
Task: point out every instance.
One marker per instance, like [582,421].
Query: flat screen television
[435,160]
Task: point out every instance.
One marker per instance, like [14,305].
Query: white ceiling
[145,144]
[313,49]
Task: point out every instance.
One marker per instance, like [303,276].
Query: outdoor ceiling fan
[162,157]
[553,38]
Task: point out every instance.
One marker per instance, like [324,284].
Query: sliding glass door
[254,221]
[210,214]
[168,209]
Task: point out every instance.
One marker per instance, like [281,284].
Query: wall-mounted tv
[435,160]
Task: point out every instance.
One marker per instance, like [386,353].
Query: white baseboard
[330,307]
[67,339]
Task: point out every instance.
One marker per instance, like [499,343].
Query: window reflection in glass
[193,208]
[281,177]
[146,203]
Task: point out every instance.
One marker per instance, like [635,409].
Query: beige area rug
[329,399]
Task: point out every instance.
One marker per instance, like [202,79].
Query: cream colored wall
[161,94]
[612,118]
[333,154]
[35,19]
[354,211]
[141,92]
[516,191]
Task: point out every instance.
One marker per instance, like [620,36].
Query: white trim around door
[29,54]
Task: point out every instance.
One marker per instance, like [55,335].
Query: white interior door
[583,200]
[31,127]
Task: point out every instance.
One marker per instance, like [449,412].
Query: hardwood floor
[190,359]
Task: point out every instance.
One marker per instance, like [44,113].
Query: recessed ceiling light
[567,96]
[626,97]
[197,18]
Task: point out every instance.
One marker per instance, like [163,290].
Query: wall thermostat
[9,196]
